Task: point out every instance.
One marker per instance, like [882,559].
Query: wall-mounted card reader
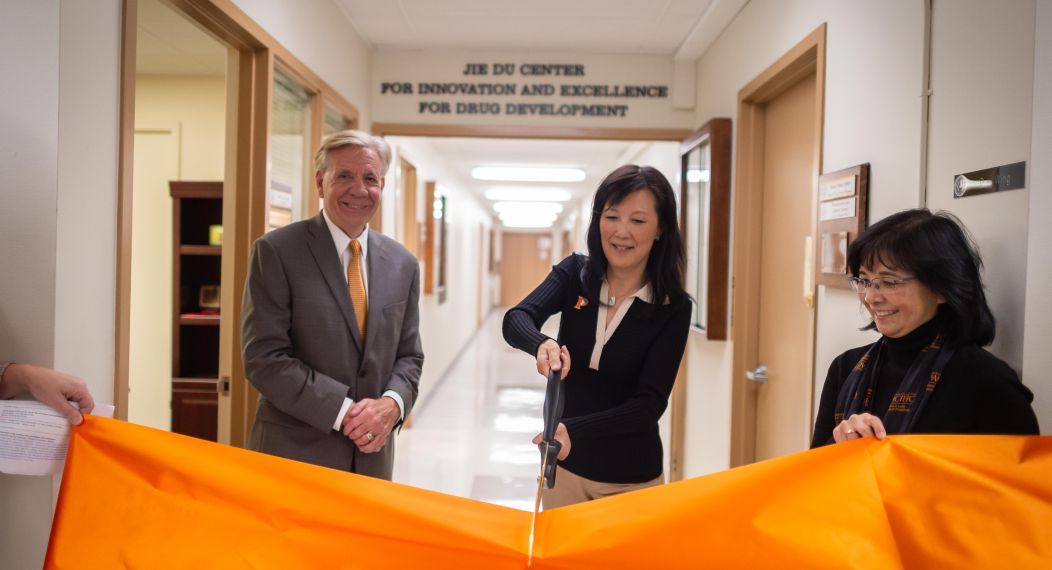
[996,179]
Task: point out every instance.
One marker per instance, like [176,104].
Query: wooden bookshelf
[195,334]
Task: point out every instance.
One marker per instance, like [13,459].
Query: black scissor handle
[553,414]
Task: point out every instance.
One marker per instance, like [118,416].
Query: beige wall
[873,113]
[58,157]
[318,34]
[445,65]
[1037,358]
[873,64]
[197,105]
[58,201]
[979,125]
[180,125]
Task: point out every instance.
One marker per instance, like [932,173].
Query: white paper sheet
[33,437]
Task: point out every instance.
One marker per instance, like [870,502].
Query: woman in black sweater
[918,276]
[624,323]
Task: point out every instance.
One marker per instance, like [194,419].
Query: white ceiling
[593,26]
[597,158]
[168,44]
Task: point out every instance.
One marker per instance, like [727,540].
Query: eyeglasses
[880,285]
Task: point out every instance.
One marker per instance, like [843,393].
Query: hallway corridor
[471,438]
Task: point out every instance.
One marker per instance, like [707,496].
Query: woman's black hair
[936,249]
[665,266]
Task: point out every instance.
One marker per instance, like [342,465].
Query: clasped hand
[368,423]
[550,354]
[562,436]
[859,425]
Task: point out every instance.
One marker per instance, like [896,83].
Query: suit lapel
[378,282]
[319,242]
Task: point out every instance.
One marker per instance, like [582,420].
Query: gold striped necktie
[357,287]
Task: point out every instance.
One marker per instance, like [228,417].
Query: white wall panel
[1037,358]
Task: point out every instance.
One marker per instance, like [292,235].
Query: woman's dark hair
[936,249]
[665,266]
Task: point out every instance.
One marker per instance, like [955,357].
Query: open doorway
[176,233]
[238,185]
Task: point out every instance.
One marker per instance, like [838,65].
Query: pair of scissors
[549,446]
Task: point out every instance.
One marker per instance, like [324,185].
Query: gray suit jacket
[303,352]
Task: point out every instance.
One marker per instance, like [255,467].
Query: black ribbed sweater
[977,394]
[611,414]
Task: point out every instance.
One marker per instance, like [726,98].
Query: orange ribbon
[134,497]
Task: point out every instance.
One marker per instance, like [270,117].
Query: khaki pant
[571,488]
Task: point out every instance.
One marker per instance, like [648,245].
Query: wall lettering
[526,83]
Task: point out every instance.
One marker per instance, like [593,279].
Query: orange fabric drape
[133,497]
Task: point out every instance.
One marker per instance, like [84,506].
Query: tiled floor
[472,437]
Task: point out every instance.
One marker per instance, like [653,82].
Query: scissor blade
[537,504]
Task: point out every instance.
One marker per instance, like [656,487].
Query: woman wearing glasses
[917,274]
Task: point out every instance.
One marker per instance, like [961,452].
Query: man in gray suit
[331,316]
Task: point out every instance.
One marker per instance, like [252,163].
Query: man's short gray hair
[359,139]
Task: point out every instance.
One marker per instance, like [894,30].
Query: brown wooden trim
[249,85]
[244,220]
[746,262]
[226,20]
[806,57]
[718,134]
[126,143]
[696,138]
[408,207]
[196,189]
[524,132]
[200,321]
[317,130]
[678,424]
[716,325]
[797,63]
[429,238]
[206,250]
[177,279]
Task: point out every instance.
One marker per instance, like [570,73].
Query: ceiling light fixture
[528,194]
[524,220]
[695,175]
[527,174]
[525,224]
[527,208]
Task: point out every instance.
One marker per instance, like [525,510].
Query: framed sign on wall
[842,198]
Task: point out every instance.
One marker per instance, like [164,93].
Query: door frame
[803,59]
[252,57]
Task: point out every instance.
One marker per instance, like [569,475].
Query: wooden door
[480,296]
[773,320]
[783,402]
[410,223]
[526,259]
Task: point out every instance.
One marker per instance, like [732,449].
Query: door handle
[758,374]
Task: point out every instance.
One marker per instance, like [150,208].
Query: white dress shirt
[343,245]
[603,332]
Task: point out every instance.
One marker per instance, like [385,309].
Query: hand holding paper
[34,437]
